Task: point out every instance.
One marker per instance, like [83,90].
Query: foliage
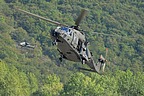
[51,86]
[38,72]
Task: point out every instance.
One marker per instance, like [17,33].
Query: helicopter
[26,44]
[72,43]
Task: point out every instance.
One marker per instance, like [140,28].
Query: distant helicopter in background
[26,44]
[72,44]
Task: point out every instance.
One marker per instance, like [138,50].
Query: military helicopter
[72,44]
[26,44]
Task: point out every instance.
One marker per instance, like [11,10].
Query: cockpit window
[65,29]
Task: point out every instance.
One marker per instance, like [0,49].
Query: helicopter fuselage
[69,42]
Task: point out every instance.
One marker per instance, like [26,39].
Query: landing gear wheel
[83,61]
[54,42]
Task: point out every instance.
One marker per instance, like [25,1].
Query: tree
[13,82]
[51,87]
[81,85]
[129,83]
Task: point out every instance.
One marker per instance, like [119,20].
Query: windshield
[66,29]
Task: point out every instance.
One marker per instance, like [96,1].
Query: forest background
[38,72]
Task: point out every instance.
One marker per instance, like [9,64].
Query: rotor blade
[106,53]
[81,16]
[107,34]
[113,35]
[40,17]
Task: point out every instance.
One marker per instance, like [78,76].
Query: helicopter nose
[55,33]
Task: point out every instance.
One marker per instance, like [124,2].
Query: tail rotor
[103,60]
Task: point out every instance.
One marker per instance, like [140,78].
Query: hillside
[38,71]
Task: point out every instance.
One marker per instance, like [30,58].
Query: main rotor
[77,22]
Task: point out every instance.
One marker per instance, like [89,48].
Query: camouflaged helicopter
[72,44]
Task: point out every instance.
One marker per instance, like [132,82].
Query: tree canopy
[38,72]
